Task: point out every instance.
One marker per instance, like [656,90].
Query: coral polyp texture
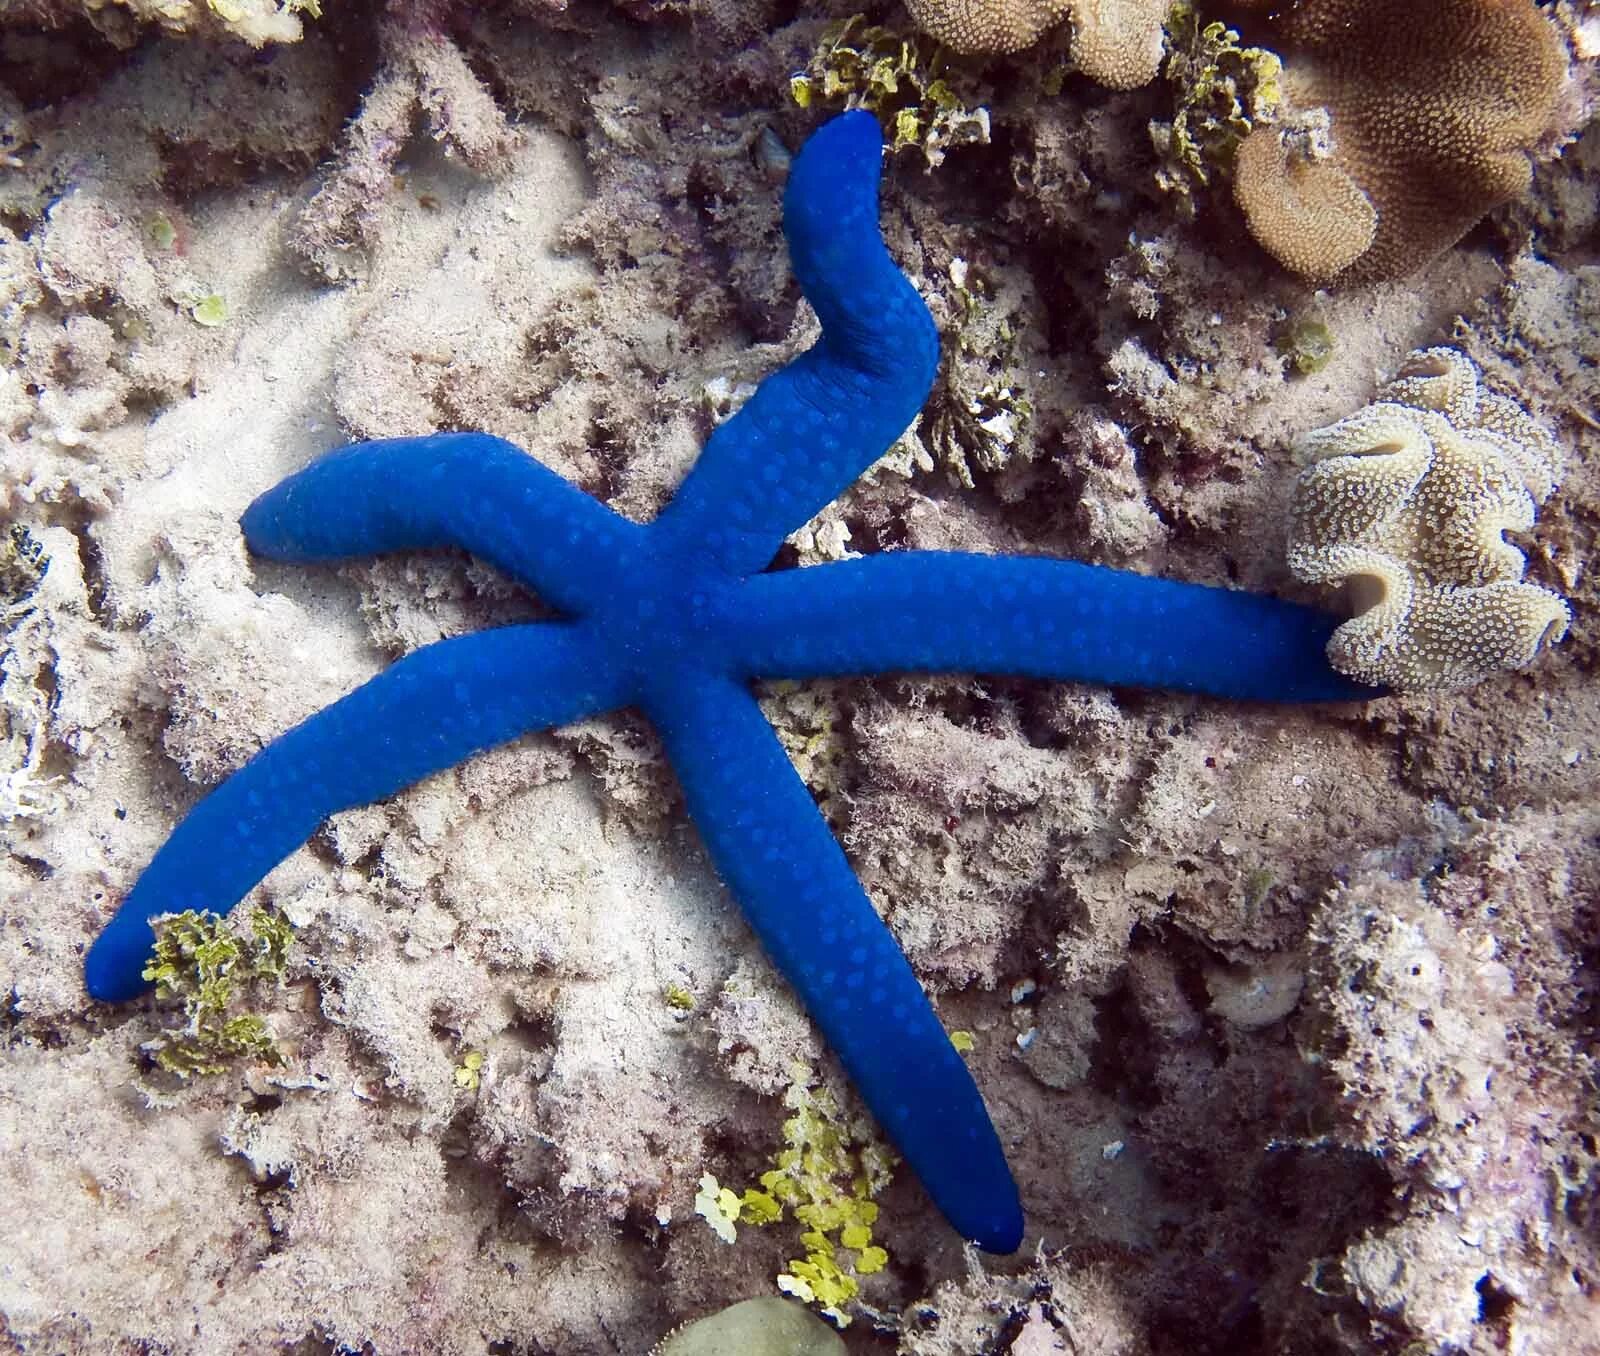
[1310,215]
[677,619]
[1407,501]
[1435,113]
[1116,43]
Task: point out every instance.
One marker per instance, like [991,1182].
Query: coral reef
[1434,115]
[1231,1129]
[1116,43]
[1407,501]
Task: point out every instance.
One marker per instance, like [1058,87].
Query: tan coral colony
[1436,111]
[1407,502]
[1116,43]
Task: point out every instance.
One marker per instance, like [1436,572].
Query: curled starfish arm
[426,712]
[956,612]
[470,490]
[795,886]
[813,427]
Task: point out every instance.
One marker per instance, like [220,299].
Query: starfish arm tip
[812,427]
[1035,617]
[999,1230]
[426,712]
[113,969]
[796,888]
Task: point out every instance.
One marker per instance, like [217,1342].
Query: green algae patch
[206,966]
[901,81]
[1221,91]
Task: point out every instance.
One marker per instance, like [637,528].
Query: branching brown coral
[1116,43]
[1435,110]
[1408,500]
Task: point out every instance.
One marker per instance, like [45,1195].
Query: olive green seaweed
[204,964]
[1221,90]
[901,81]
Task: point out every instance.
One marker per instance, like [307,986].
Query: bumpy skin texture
[673,619]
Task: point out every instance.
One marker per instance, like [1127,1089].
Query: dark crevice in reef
[1122,1063]
[44,66]
[96,584]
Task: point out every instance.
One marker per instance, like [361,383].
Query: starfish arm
[955,612]
[814,426]
[429,710]
[779,860]
[470,490]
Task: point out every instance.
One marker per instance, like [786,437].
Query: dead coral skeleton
[421,74]
[26,791]
[1436,111]
[123,22]
[1447,1016]
[1408,500]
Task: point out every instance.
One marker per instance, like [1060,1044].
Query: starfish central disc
[677,621]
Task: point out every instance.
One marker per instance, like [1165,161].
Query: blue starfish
[677,618]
